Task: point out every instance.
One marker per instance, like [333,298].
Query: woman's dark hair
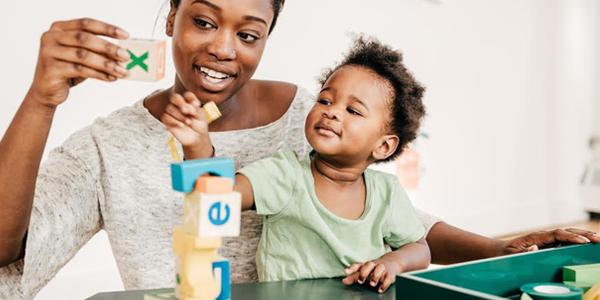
[276,4]
[407,109]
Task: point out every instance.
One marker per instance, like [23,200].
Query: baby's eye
[324,101]
[353,111]
[246,37]
[203,24]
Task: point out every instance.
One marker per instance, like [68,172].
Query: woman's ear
[385,147]
[171,20]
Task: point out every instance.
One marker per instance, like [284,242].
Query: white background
[512,95]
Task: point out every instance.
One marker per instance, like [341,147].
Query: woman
[111,175]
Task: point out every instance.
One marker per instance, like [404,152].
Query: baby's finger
[387,281]
[176,113]
[186,108]
[364,271]
[352,268]
[192,99]
[377,274]
[350,279]
[170,122]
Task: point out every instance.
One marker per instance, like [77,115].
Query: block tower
[211,211]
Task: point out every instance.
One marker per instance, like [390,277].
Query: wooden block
[183,242]
[211,111]
[213,185]
[582,273]
[212,215]
[185,173]
[593,293]
[147,59]
[194,276]
[222,273]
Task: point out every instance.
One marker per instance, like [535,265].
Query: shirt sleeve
[428,220]
[403,224]
[273,181]
[65,215]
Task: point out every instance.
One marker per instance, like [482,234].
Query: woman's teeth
[212,74]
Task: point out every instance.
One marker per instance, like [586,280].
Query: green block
[585,286]
[582,273]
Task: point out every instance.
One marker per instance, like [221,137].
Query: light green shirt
[302,239]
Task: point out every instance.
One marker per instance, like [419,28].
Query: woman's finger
[192,99]
[185,108]
[73,71]
[91,42]
[88,59]
[92,26]
[590,235]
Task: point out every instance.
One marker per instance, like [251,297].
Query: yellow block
[183,242]
[211,111]
[195,256]
[593,293]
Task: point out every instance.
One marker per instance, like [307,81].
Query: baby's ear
[385,147]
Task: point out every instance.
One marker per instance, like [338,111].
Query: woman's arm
[70,52]
[383,271]
[449,244]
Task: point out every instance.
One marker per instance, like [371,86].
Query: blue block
[185,173]
[223,265]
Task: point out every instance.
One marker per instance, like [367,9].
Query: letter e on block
[220,214]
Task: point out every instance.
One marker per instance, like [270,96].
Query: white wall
[511,90]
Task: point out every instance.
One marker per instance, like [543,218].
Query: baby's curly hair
[407,109]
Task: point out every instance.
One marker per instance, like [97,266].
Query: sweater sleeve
[65,215]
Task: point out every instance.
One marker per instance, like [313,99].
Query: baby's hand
[185,119]
[376,272]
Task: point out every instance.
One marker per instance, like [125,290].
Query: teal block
[185,173]
[223,266]
[582,273]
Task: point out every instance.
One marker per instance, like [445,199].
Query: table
[287,290]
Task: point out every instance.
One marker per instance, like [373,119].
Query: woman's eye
[203,24]
[246,37]
[324,101]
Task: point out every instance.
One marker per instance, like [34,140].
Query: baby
[327,214]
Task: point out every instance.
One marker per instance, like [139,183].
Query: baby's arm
[383,271]
[244,187]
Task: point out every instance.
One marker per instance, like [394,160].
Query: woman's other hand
[546,239]
[72,51]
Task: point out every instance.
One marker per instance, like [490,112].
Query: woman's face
[217,44]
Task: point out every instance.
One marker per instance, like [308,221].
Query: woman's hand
[72,51]
[378,272]
[186,120]
[546,239]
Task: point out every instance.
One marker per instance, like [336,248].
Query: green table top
[288,290]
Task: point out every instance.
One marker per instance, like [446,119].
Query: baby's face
[350,115]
